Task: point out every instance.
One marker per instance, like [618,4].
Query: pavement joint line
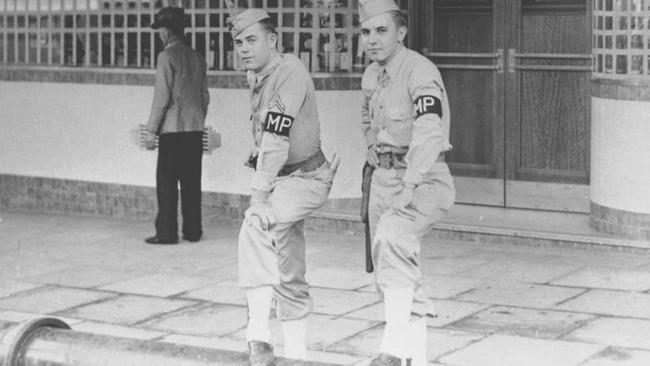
[576,270]
[166,313]
[570,298]
[580,324]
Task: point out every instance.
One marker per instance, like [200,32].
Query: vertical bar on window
[112,32]
[138,34]
[38,32]
[4,33]
[152,35]
[221,48]
[62,33]
[87,25]
[50,29]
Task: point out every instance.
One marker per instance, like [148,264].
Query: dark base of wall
[23,193]
[619,222]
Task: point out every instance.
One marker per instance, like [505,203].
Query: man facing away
[405,120]
[178,112]
[292,178]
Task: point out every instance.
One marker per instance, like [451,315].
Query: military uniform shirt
[284,117]
[405,104]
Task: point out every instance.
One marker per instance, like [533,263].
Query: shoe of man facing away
[260,354]
[158,240]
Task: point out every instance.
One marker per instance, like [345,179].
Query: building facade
[549,98]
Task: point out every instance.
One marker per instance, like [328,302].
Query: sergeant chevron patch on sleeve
[428,104]
[278,123]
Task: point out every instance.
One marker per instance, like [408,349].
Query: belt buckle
[385,160]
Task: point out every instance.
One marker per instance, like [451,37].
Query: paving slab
[523,322]
[619,357]
[338,302]
[439,342]
[449,265]
[447,311]
[85,276]
[226,292]
[20,316]
[116,330]
[127,309]
[161,285]
[205,320]
[503,350]
[444,287]
[606,278]
[49,300]
[523,271]
[617,303]
[8,288]
[339,278]
[628,333]
[519,294]
[14,267]
[323,331]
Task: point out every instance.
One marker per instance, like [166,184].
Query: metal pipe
[51,342]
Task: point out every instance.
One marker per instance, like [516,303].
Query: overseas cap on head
[245,19]
[169,17]
[372,8]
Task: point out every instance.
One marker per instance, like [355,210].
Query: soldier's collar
[268,69]
[174,39]
[396,61]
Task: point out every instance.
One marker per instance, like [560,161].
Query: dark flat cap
[169,17]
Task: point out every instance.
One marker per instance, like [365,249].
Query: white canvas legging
[397,237]
[276,256]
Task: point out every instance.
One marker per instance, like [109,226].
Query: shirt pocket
[398,107]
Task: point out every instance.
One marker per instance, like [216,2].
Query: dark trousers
[179,161]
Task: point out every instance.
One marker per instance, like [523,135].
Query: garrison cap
[169,17]
[371,8]
[245,19]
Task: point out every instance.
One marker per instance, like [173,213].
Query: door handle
[497,56]
[513,66]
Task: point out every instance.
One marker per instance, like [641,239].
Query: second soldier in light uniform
[291,180]
[405,119]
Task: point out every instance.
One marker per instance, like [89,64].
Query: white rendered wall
[620,154]
[81,132]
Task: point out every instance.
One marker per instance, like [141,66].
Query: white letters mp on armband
[428,104]
[278,123]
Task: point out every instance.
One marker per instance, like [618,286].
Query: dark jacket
[181,98]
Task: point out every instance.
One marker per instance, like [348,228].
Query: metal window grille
[621,38]
[117,33]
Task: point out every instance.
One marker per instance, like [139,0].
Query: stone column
[620,120]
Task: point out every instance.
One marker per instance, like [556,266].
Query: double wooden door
[517,73]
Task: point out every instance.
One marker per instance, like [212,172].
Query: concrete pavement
[497,304]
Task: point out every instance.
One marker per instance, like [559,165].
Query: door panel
[465,40]
[548,104]
[517,74]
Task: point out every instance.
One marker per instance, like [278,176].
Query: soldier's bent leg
[417,340]
[292,293]
[397,312]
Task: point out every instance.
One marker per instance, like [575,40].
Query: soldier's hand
[371,156]
[257,215]
[149,140]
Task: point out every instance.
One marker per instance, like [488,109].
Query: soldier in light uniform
[405,120]
[292,178]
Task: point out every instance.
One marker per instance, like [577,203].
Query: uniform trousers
[276,257]
[179,161]
[397,235]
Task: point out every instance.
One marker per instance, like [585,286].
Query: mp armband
[278,123]
[428,104]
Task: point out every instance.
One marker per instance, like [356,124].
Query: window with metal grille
[117,33]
